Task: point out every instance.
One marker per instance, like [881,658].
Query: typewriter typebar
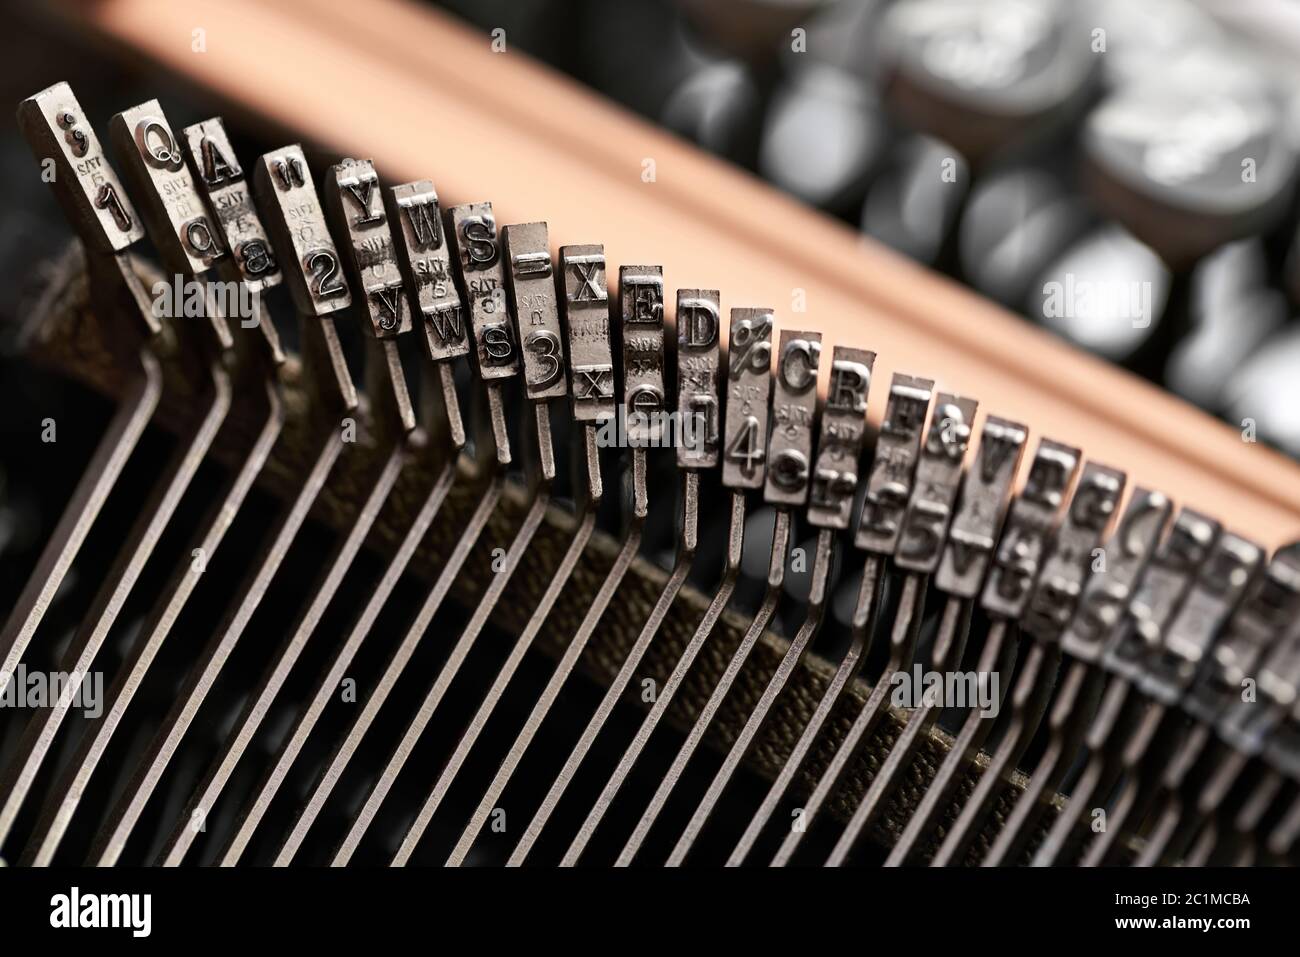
[646,600]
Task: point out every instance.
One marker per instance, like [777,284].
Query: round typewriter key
[983,73]
[912,205]
[1228,275]
[822,138]
[1263,394]
[1106,293]
[1205,361]
[1191,159]
[719,107]
[1134,39]
[1016,222]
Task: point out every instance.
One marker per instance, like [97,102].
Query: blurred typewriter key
[1262,396]
[719,107]
[1188,161]
[749,28]
[983,74]
[1106,293]
[1143,38]
[914,202]
[823,138]
[1211,357]
[839,34]
[1017,221]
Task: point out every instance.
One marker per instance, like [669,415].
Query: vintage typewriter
[642,515]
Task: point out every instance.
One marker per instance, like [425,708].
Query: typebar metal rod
[1077,698]
[998,656]
[950,643]
[259,704]
[305,723]
[1034,682]
[903,643]
[326,689]
[681,570]
[122,820]
[380,789]
[623,561]
[771,596]
[392,671]
[141,541]
[97,482]
[66,796]
[1097,773]
[735,540]
[863,625]
[758,716]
